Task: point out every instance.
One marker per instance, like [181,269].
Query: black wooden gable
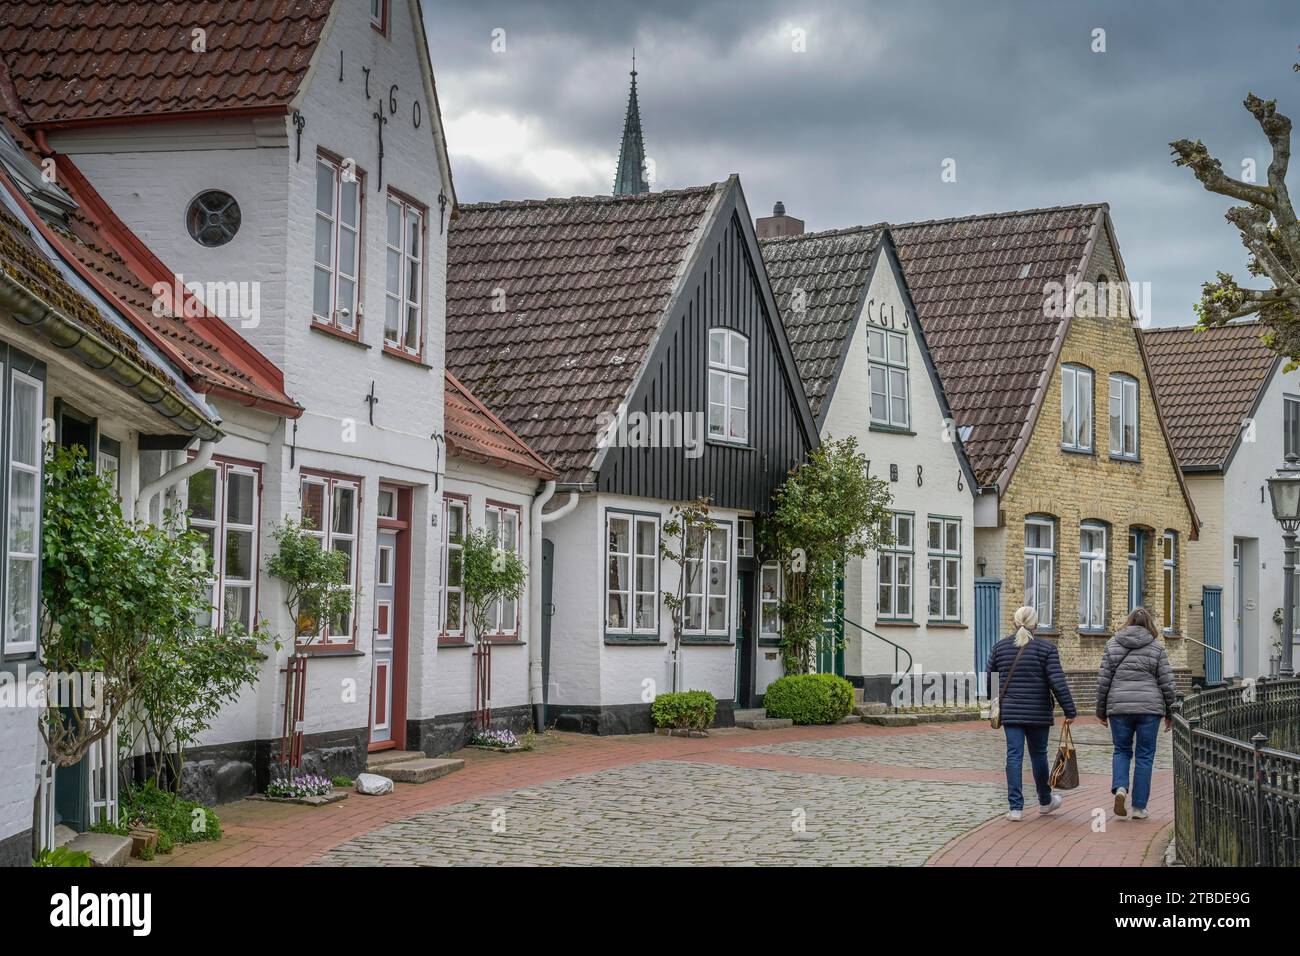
[724,286]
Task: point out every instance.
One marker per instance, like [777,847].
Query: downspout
[536,692]
[173,477]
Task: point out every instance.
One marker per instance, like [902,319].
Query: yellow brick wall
[1205,555]
[1076,487]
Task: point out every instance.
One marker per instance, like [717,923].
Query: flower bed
[502,741]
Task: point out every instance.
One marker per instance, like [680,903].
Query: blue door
[988,618]
[1212,622]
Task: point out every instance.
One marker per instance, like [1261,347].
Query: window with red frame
[225,508]
[331,511]
[379,15]
[337,245]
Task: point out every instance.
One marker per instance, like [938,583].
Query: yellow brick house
[1081,509]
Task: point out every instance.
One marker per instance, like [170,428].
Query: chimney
[778,224]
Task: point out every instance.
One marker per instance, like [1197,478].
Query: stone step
[422,770]
[105,849]
[849,719]
[765,723]
[867,709]
[891,720]
[376,761]
[751,713]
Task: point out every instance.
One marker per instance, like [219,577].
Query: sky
[848,111]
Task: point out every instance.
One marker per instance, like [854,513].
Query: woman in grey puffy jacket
[1135,688]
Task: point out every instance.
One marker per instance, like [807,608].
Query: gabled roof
[91,60]
[1209,381]
[553,306]
[474,433]
[978,286]
[213,356]
[830,271]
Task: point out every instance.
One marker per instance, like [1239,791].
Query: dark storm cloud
[855,129]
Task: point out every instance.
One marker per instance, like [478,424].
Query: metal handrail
[897,647]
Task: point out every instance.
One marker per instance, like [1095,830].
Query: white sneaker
[1013,816]
[1140,813]
[1051,807]
[1121,810]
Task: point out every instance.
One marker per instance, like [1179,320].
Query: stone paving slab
[980,748]
[671,812]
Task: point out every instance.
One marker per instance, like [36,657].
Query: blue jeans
[1037,738]
[1123,729]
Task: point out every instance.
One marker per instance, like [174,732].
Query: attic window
[1024,271]
[213,218]
[379,15]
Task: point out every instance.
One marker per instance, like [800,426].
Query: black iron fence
[1237,775]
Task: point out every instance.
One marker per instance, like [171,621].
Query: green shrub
[809,698]
[176,820]
[62,856]
[342,781]
[684,710]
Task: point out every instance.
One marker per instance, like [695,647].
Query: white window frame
[948,560]
[408,264]
[1124,400]
[219,524]
[745,538]
[450,547]
[1040,561]
[379,15]
[327,537]
[1169,580]
[1076,383]
[1134,561]
[497,517]
[1290,425]
[731,374]
[895,556]
[695,567]
[335,269]
[1093,567]
[887,376]
[11,646]
[634,587]
[770,571]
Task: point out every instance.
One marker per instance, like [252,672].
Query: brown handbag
[1065,769]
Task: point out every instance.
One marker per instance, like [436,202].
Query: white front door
[381,685]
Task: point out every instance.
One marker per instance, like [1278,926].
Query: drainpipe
[173,477]
[536,692]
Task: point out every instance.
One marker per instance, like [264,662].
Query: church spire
[631,176]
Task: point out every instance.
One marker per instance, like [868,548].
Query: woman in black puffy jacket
[1029,676]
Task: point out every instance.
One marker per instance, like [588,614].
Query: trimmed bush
[684,710]
[809,698]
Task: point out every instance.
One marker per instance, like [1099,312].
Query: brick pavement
[868,795]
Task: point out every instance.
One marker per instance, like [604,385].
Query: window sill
[505,642]
[340,651]
[349,337]
[1083,632]
[951,625]
[725,443]
[405,356]
[444,641]
[899,623]
[718,641]
[1083,452]
[626,640]
[890,429]
[1127,459]
[1046,632]
[769,642]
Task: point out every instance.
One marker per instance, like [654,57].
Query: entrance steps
[411,766]
[757,719]
[105,849]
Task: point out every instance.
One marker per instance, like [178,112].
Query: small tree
[689,526]
[489,575]
[316,585]
[1269,231]
[828,511]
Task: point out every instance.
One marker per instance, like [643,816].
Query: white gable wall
[943,490]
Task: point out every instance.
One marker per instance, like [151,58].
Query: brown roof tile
[1207,381]
[831,269]
[583,283]
[978,287]
[77,60]
[473,432]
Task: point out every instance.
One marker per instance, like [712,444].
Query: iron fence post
[1193,724]
[1259,741]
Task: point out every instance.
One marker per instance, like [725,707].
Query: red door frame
[401,622]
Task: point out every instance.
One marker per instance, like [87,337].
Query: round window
[213,218]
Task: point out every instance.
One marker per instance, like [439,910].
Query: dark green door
[830,647]
[745,649]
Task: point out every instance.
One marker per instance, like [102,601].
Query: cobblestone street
[844,795]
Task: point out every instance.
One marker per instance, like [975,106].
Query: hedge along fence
[809,698]
[685,710]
